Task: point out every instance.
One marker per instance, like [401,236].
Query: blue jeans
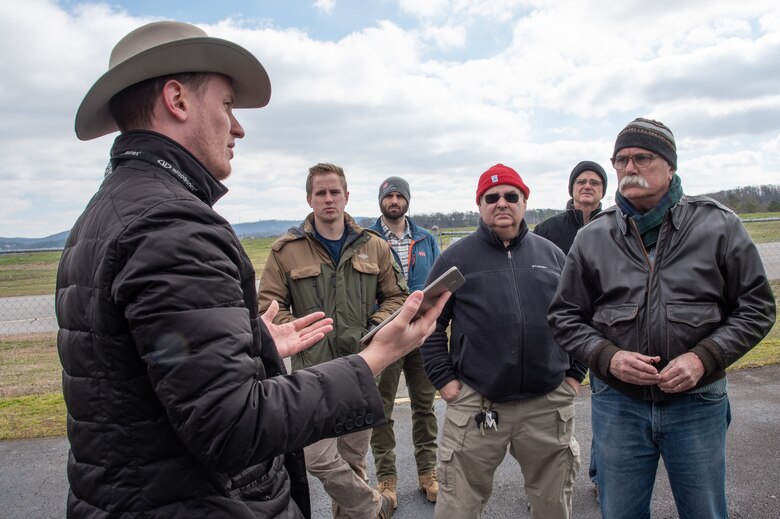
[688,431]
[592,465]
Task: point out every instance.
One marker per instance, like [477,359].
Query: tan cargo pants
[539,433]
[340,464]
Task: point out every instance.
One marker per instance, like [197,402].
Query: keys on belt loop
[487,418]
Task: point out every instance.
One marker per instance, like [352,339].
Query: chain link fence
[35,313]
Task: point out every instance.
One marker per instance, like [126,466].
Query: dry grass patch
[29,365]
[31,402]
[34,416]
[29,274]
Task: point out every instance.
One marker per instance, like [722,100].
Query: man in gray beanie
[415,250]
[659,295]
[587,185]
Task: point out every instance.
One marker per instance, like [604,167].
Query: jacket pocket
[306,272]
[689,323]
[364,287]
[619,324]
[263,488]
[307,290]
[364,266]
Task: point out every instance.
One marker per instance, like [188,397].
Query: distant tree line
[750,199]
[458,219]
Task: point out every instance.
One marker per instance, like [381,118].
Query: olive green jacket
[363,289]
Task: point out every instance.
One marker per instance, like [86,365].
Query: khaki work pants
[340,464]
[539,433]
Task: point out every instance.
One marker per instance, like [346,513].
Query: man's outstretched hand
[297,335]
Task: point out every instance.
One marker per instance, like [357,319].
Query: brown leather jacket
[706,292]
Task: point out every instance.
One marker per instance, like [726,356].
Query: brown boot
[429,485]
[386,487]
[386,507]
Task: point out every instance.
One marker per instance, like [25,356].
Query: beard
[392,212]
[632,180]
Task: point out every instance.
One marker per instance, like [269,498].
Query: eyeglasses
[640,160]
[592,182]
[510,197]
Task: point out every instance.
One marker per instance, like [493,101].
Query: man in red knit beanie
[506,382]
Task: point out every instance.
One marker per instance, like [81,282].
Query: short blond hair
[324,168]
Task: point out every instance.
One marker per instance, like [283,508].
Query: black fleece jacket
[500,343]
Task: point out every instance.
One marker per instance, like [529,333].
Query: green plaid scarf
[649,223]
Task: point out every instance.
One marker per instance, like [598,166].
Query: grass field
[31,274]
[31,402]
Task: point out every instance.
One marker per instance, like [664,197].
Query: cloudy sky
[436,91]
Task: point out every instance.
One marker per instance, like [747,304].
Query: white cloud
[446,37]
[398,98]
[325,6]
[424,9]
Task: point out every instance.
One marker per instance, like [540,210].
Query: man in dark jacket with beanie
[659,295]
[587,186]
[178,403]
[506,382]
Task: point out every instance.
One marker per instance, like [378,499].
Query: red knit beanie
[500,174]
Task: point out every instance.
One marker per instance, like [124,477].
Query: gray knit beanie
[587,165]
[394,184]
[650,135]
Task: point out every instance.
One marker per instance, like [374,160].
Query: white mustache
[633,180]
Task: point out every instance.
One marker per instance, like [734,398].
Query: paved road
[27,314]
[33,482]
[770,255]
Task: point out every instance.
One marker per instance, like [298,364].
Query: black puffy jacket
[176,403]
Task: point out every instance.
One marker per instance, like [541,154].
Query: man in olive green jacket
[331,264]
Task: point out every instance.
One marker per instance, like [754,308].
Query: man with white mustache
[658,296]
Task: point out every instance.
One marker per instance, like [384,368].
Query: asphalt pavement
[33,483]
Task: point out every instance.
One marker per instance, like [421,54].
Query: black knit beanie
[587,165]
[650,135]
[394,184]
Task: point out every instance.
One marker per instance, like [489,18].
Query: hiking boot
[429,485]
[386,487]
[386,507]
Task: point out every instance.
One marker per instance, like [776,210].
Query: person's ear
[175,99]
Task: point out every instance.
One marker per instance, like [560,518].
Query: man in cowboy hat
[178,402]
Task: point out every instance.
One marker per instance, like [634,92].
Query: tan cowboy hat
[163,48]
